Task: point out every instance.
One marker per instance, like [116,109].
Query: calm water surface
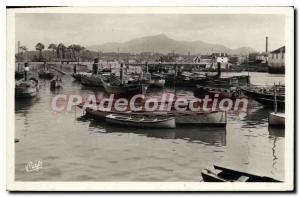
[73,147]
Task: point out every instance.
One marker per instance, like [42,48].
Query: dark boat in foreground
[221,174]
[26,89]
[265,95]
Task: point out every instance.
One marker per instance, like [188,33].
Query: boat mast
[275,99]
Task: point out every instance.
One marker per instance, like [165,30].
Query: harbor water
[73,147]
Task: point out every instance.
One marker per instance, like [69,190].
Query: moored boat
[26,89]
[94,80]
[277,119]
[265,95]
[142,121]
[222,174]
[157,81]
[223,92]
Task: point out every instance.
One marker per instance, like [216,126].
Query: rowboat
[277,119]
[45,74]
[265,95]
[141,121]
[215,118]
[55,84]
[221,174]
[26,89]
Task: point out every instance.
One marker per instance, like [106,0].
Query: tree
[39,47]
[52,47]
[61,51]
[75,49]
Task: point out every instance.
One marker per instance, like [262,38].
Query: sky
[233,31]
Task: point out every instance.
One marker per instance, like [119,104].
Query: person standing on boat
[26,71]
[95,66]
[74,68]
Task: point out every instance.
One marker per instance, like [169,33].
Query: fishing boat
[157,81]
[91,80]
[222,174]
[214,118]
[78,76]
[277,119]
[265,95]
[26,89]
[142,121]
[46,74]
[223,92]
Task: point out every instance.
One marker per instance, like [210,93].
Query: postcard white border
[288,185]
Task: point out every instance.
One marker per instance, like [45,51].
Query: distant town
[266,61]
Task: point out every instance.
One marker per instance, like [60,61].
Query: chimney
[267,45]
[121,73]
[219,69]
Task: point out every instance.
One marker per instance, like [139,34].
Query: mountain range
[163,44]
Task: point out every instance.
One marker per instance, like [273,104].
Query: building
[220,58]
[276,60]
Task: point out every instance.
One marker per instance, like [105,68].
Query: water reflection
[276,132]
[256,117]
[23,105]
[211,136]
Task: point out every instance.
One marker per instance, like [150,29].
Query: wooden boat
[277,119]
[113,86]
[221,174]
[157,81]
[224,92]
[26,89]
[77,76]
[94,80]
[215,118]
[265,95]
[45,74]
[142,121]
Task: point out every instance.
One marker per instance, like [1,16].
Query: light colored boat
[215,118]
[26,89]
[277,119]
[142,121]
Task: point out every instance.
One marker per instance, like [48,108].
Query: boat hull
[277,119]
[168,123]
[26,89]
[228,175]
[265,99]
[218,119]
[90,80]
